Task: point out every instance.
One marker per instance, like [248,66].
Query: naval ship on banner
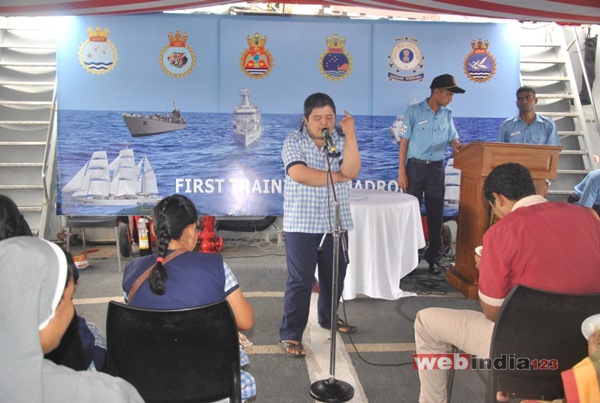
[396,128]
[120,183]
[247,124]
[148,125]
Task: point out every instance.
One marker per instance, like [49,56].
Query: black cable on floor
[423,285]
[356,349]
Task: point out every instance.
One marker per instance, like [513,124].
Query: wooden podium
[475,161]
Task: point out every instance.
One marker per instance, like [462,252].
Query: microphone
[326,134]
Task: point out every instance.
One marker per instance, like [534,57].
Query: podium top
[480,158]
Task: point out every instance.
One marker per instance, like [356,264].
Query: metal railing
[586,80]
[49,139]
[48,170]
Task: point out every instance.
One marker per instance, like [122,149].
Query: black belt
[418,161]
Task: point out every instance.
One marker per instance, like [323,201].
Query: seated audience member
[537,243]
[92,338]
[12,224]
[37,307]
[191,278]
[587,192]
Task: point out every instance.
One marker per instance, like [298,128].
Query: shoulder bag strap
[146,274]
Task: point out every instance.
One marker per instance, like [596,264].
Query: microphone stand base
[331,390]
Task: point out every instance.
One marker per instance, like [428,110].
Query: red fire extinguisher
[143,238]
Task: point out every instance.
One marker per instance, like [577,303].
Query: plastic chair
[175,355]
[70,350]
[96,222]
[543,326]
[537,328]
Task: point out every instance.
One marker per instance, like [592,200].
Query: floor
[376,361]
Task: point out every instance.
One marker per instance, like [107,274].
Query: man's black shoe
[435,268]
[572,199]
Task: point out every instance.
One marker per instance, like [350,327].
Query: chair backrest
[543,330]
[70,350]
[175,355]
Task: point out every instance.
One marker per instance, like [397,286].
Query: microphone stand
[331,389]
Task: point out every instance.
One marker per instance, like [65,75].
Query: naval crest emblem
[177,59]
[256,61]
[335,62]
[97,54]
[480,64]
[406,61]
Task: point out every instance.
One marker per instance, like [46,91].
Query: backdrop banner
[155,104]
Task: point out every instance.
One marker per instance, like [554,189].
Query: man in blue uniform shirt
[528,127]
[587,192]
[427,130]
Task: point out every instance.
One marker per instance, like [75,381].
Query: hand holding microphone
[326,134]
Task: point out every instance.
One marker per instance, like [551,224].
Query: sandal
[343,327]
[297,349]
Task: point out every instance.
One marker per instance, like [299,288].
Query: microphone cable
[375,364]
[423,285]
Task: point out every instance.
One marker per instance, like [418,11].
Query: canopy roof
[560,11]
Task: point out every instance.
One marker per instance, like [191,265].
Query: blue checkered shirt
[247,381]
[230,280]
[310,209]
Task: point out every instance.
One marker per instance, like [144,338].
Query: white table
[383,246]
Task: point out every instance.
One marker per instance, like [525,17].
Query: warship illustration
[148,125]
[247,120]
[396,127]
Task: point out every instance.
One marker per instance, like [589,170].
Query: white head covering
[61,281]
[33,275]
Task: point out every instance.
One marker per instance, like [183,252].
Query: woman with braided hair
[182,278]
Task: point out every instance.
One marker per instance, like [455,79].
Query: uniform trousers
[302,257]
[428,178]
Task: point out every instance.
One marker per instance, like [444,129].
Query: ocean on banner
[206,154]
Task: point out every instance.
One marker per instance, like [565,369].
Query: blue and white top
[310,209]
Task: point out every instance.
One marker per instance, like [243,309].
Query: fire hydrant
[144,236]
[210,243]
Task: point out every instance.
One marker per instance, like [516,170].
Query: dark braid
[171,215]
[158,276]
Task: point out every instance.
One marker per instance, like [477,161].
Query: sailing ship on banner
[120,183]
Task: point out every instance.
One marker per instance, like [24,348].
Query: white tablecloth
[383,246]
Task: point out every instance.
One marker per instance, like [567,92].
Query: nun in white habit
[36,290]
